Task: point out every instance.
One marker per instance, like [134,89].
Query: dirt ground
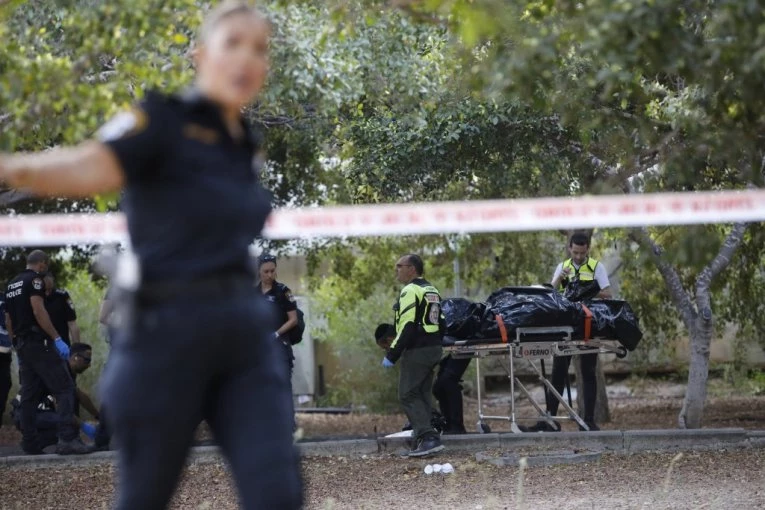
[648,410]
[626,414]
[711,480]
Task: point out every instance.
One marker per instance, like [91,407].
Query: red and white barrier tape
[430,218]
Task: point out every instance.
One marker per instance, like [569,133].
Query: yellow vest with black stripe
[585,272]
[418,303]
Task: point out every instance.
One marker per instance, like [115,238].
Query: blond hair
[225,10]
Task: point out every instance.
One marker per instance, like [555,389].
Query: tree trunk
[697,316]
[602,411]
[698,372]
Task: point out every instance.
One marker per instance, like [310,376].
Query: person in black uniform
[197,343]
[448,391]
[60,307]
[46,418]
[6,358]
[40,358]
[283,302]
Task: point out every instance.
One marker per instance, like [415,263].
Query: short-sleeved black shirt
[18,302]
[282,299]
[61,310]
[192,198]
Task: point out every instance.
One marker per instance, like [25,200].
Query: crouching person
[417,349]
[46,419]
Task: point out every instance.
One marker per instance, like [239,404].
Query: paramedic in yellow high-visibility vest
[417,349]
[582,267]
[585,268]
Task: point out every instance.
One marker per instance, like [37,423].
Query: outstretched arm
[88,404]
[82,171]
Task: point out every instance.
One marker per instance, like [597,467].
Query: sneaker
[73,447]
[427,446]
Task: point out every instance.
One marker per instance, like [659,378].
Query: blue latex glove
[89,430]
[386,363]
[62,348]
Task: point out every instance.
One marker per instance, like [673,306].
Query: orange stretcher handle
[502,328]
[587,322]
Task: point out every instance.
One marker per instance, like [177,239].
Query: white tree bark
[701,333]
[602,411]
[697,316]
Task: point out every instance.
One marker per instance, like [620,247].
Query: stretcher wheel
[483,428]
[621,352]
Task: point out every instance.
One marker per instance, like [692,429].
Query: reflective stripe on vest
[586,271]
[427,301]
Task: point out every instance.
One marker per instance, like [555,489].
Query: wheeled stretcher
[530,343]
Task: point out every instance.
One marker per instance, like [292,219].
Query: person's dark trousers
[291,365]
[47,427]
[589,383]
[5,381]
[415,386]
[448,391]
[41,368]
[201,357]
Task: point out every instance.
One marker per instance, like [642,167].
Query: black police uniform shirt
[280,296]
[18,302]
[191,197]
[61,311]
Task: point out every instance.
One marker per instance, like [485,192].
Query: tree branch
[669,274]
[722,260]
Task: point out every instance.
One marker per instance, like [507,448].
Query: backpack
[296,334]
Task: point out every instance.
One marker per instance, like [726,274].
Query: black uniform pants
[192,358]
[5,381]
[40,370]
[448,391]
[47,426]
[589,383]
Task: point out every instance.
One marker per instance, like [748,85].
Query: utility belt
[209,287]
[34,334]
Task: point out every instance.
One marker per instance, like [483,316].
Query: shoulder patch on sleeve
[124,124]
[38,284]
